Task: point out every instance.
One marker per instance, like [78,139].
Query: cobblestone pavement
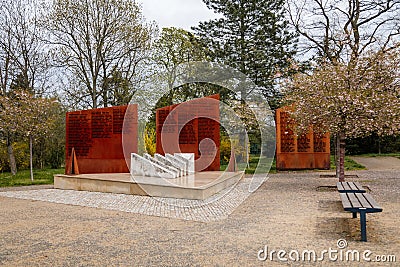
[215,208]
[290,211]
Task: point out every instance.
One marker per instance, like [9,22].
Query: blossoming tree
[349,100]
[27,116]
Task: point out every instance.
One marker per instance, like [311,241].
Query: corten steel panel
[308,151]
[182,127]
[96,136]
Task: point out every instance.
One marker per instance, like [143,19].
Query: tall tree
[171,51]
[117,89]
[174,47]
[96,39]
[350,100]
[27,116]
[342,31]
[252,37]
[24,56]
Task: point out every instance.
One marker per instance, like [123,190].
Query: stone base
[200,185]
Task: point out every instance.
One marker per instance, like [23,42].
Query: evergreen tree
[252,37]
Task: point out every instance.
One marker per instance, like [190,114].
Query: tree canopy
[174,47]
[341,30]
[350,101]
[354,47]
[97,39]
[26,116]
[252,37]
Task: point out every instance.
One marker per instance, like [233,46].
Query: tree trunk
[342,145]
[31,156]
[337,146]
[11,156]
[42,148]
[379,145]
[105,97]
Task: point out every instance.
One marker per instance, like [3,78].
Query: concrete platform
[200,185]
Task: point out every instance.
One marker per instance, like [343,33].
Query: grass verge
[251,169]
[23,177]
[349,164]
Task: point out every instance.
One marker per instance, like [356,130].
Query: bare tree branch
[342,30]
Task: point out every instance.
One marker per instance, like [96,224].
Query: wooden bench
[362,203]
[350,187]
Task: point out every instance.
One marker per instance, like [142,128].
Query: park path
[378,163]
[291,211]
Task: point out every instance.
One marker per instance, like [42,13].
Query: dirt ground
[290,211]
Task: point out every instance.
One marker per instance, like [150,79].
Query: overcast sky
[176,13]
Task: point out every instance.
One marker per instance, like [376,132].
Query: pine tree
[252,37]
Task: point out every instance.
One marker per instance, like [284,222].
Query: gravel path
[290,211]
[378,163]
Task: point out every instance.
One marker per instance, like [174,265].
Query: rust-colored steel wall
[308,151]
[198,119]
[96,137]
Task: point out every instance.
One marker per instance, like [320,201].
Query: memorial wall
[308,151]
[189,127]
[94,139]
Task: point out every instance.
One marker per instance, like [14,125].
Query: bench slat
[354,201]
[353,186]
[359,186]
[349,187]
[346,186]
[345,200]
[363,201]
[340,186]
[372,202]
[357,202]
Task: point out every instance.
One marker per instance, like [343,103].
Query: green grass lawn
[45,176]
[262,168]
[23,177]
[253,165]
[349,164]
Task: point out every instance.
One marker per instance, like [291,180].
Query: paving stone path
[217,207]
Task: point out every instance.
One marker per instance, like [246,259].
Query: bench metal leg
[363,222]
[354,214]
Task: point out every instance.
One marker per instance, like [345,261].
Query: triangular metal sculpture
[232,162]
[72,167]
